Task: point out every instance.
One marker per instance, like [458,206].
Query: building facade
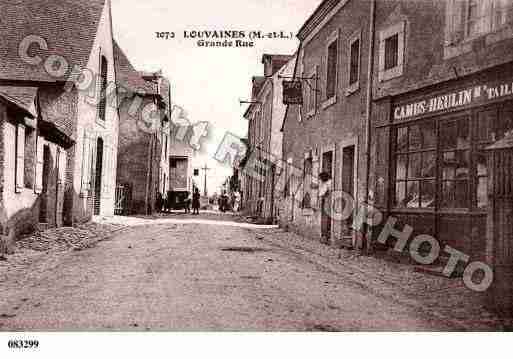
[59,157]
[144,131]
[325,136]
[265,117]
[443,92]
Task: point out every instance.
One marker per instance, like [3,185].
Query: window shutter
[20,157]
[400,45]
[62,166]
[85,165]
[39,165]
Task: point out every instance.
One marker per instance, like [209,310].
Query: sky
[207,82]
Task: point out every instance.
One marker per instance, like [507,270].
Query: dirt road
[196,277]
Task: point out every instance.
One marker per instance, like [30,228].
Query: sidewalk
[444,298]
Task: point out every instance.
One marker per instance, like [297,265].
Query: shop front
[437,170]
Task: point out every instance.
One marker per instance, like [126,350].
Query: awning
[22,97]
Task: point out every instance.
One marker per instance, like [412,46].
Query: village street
[192,274]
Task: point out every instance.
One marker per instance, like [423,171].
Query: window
[391,48]
[331,71]
[391,52]
[468,19]
[444,164]
[354,62]
[484,16]
[102,104]
[415,166]
[30,151]
[311,92]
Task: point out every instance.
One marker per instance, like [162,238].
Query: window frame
[475,150]
[354,86]
[102,100]
[332,39]
[398,29]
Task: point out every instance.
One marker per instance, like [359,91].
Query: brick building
[66,144]
[327,133]
[144,131]
[443,92]
[265,117]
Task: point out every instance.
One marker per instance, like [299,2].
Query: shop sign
[471,96]
[292,92]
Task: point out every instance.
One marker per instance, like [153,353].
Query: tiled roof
[127,76]
[21,97]
[68,26]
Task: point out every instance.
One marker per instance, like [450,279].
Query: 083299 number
[23,344]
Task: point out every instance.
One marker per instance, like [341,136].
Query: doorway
[43,208]
[327,167]
[98,177]
[348,187]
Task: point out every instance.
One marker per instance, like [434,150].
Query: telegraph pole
[205,170]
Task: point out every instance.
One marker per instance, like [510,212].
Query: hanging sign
[292,92]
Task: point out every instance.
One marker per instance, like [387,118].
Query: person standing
[196,201]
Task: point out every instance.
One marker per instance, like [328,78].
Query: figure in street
[195,201]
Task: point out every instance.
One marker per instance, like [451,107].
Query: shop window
[450,162]
[391,52]
[415,166]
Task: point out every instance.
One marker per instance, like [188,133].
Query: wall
[136,147]
[21,210]
[334,125]
[89,129]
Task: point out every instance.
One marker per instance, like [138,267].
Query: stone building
[327,133]
[144,131]
[66,143]
[442,92]
[265,117]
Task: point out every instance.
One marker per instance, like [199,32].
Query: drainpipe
[368,113]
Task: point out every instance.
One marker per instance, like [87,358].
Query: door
[43,208]
[348,187]
[327,167]
[98,177]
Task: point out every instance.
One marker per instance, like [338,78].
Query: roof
[68,26]
[317,16]
[127,76]
[21,97]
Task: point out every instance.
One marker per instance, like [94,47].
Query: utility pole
[205,169]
